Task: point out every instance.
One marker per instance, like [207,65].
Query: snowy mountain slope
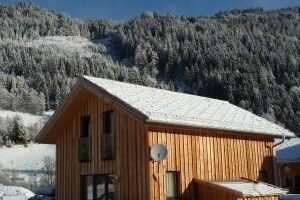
[25,158]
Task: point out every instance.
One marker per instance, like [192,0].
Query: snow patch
[72,44]
[14,192]
[28,119]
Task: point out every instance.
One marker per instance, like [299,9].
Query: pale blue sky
[124,9]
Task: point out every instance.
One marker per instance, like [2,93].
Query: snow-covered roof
[250,188]
[189,110]
[289,151]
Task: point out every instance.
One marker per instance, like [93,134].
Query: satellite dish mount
[159,152]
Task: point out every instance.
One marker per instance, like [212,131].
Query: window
[264,176]
[107,139]
[172,185]
[287,182]
[84,143]
[97,187]
[297,181]
[85,126]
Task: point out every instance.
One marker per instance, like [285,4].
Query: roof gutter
[277,175]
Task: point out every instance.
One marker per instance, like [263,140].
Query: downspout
[277,178]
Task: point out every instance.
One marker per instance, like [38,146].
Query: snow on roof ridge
[171,107]
[153,88]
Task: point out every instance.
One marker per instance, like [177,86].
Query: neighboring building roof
[188,110]
[289,151]
[246,187]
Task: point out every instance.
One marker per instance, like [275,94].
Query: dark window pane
[110,189]
[84,149]
[287,182]
[297,181]
[83,188]
[171,185]
[107,146]
[108,124]
[85,126]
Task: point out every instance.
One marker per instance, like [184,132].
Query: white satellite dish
[159,152]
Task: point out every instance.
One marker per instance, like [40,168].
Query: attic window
[84,142]
[108,122]
[85,126]
[107,139]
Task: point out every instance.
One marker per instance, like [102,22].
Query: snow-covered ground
[28,119]
[25,158]
[14,193]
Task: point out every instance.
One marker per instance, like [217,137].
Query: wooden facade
[194,153]
[129,165]
[208,155]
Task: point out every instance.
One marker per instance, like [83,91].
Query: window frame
[176,186]
[95,177]
[85,138]
[108,134]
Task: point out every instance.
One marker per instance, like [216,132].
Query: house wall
[210,192]
[207,155]
[196,153]
[129,164]
[289,170]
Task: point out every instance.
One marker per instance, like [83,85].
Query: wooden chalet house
[104,132]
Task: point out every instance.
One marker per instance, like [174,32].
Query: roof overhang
[229,131]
